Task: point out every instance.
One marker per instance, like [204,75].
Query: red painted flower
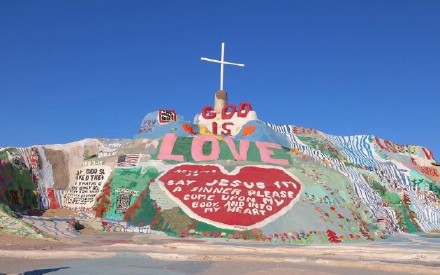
[188,129]
[332,237]
[216,234]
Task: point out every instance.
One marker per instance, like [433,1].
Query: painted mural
[230,175]
[89,183]
[245,198]
[227,122]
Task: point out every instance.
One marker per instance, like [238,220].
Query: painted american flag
[129,160]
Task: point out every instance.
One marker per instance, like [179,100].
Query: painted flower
[188,129]
[248,130]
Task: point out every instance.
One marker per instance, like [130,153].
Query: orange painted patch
[188,129]
[248,130]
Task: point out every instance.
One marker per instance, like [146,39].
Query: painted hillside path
[53,226]
[14,226]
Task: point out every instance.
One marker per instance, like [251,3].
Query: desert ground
[94,251]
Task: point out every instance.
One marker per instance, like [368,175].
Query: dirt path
[214,256]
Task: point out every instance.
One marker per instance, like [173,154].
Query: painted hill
[229,174]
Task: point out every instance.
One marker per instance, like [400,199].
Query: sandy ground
[97,252]
[61,212]
[213,256]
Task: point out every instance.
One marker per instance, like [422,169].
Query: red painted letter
[208,112]
[225,114]
[244,109]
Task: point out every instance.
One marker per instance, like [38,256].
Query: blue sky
[77,69]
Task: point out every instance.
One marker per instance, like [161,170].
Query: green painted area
[317,188]
[144,215]
[4,155]
[173,221]
[387,196]
[395,202]
[204,227]
[126,178]
[392,198]
[20,193]
[419,180]
[434,188]
[325,147]
[6,209]
[406,223]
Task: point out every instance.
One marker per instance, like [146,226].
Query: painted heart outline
[247,197]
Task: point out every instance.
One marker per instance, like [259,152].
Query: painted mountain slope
[271,182]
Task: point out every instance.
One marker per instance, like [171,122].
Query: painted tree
[332,236]
[143,211]
[103,202]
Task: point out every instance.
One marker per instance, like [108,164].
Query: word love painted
[248,197]
[266,150]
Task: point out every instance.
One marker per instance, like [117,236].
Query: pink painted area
[197,148]
[387,145]
[166,149]
[244,146]
[266,153]
[428,153]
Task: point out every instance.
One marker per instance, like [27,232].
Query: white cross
[222,63]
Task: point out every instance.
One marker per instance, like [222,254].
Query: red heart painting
[248,197]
